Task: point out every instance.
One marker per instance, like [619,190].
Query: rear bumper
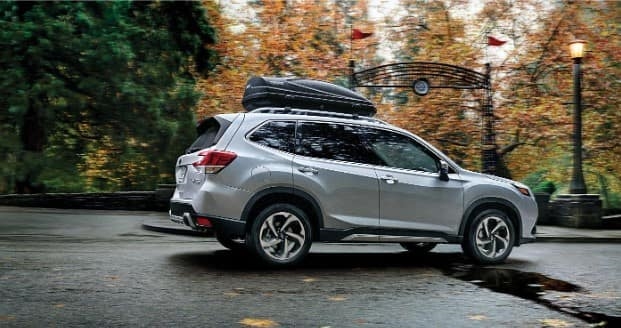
[183,213]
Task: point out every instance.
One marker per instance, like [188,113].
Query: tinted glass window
[334,141]
[277,135]
[400,151]
[209,132]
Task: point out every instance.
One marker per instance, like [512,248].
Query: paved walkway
[544,233]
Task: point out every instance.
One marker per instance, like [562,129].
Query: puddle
[531,286]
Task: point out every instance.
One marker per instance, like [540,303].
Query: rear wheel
[490,237]
[280,235]
[418,247]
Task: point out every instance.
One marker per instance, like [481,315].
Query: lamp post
[577,185]
[577,209]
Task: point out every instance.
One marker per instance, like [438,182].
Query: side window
[339,142]
[400,151]
[275,134]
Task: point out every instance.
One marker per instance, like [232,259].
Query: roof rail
[310,112]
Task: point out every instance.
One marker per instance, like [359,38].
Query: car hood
[494,178]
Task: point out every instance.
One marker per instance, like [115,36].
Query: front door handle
[389,179]
[308,170]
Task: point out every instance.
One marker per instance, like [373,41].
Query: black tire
[418,248]
[490,237]
[234,244]
[280,235]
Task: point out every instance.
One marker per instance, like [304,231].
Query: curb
[577,240]
[122,200]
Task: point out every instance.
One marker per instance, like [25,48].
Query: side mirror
[444,168]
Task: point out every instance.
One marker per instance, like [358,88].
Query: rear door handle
[308,170]
[389,179]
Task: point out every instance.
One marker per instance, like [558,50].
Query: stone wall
[130,200]
[577,211]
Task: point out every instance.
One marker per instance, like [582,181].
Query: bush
[545,186]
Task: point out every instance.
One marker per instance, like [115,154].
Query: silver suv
[274,180]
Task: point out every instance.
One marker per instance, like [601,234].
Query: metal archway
[423,76]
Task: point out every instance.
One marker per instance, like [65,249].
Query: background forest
[103,96]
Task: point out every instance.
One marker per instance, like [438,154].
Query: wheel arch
[492,203]
[287,195]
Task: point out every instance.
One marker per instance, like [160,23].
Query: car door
[412,196]
[331,165]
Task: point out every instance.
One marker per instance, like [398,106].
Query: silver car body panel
[348,192]
[420,200]
[481,188]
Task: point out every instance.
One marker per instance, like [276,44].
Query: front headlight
[523,190]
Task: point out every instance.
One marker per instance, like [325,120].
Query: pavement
[545,233]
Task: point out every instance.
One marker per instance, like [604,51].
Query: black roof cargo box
[304,94]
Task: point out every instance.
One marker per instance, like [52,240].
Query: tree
[428,31]
[98,95]
[531,74]
[536,87]
[531,78]
[304,38]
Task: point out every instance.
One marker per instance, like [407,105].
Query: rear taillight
[204,222]
[213,161]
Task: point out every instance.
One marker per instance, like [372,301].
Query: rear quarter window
[209,132]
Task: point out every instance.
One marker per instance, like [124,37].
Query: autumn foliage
[102,87]
[531,72]
[275,38]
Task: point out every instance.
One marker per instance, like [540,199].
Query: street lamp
[577,185]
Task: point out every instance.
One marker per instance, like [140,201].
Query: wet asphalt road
[70,268]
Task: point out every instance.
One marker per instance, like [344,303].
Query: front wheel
[490,237]
[280,235]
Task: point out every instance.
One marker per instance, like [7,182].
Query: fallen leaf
[308,279]
[111,277]
[231,294]
[7,317]
[337,298]
[478,317]
[556,323]
[261,323]
[59,306]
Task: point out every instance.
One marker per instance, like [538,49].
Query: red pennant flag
[357,34]
[492,41]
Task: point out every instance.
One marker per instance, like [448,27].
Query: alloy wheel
[493,237]
[282,236]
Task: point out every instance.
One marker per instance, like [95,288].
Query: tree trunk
[33,140]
